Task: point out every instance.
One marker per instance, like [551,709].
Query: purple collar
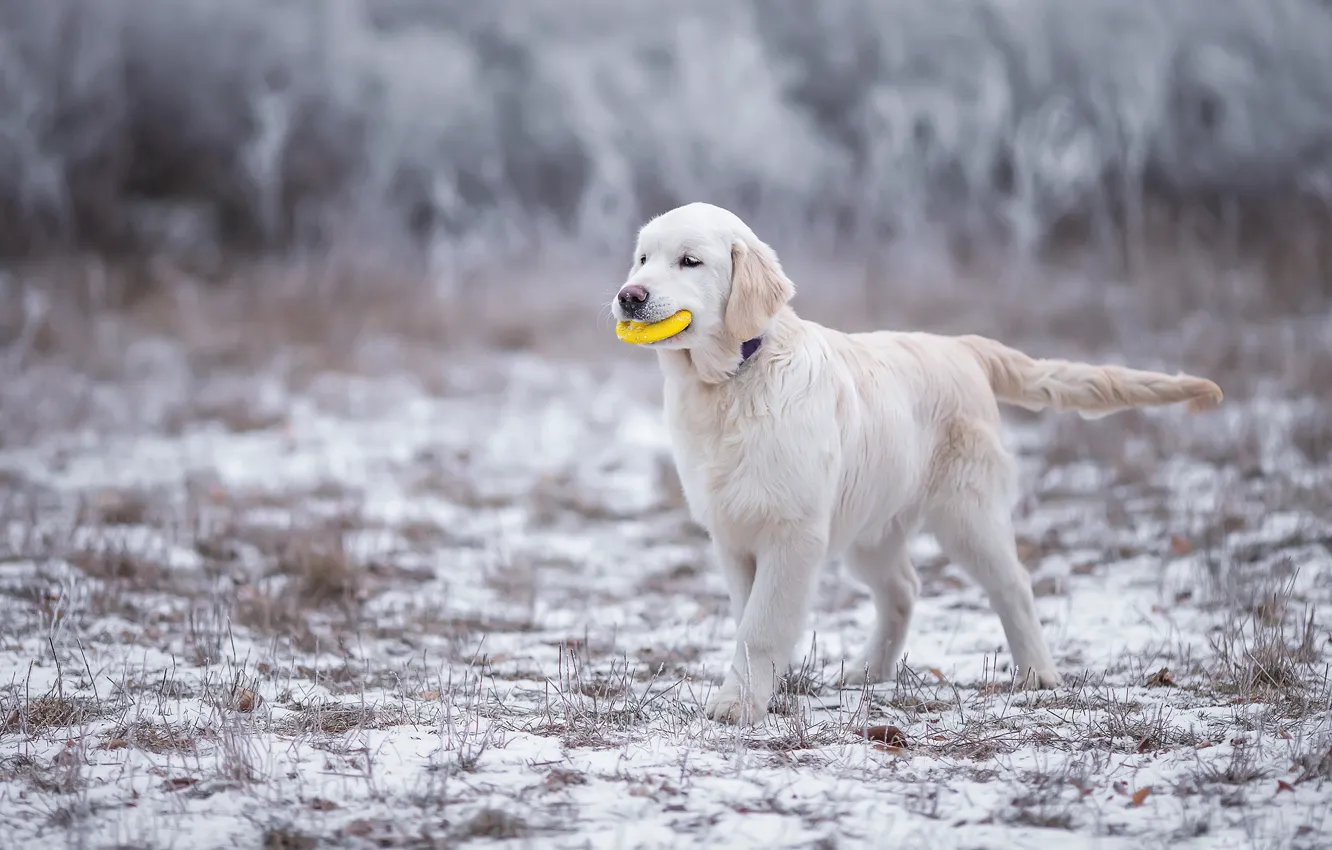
[748,347]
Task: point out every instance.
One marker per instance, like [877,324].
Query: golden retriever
[796,443]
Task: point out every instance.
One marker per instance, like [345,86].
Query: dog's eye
[642,261]
[688,262]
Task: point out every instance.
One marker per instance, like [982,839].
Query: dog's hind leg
[971,515]
[886,568]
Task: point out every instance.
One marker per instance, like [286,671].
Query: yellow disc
[639,333]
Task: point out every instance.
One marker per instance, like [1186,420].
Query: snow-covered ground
[381,611]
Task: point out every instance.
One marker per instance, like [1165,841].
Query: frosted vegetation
[472,128]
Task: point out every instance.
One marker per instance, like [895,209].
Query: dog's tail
[1092,391]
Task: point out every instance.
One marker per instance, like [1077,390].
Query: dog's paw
[732,706]
[853,677]
[861,672]
[1040,680]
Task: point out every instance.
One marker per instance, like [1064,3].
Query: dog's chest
[699,428]
[735,459]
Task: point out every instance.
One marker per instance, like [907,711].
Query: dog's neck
[720,361]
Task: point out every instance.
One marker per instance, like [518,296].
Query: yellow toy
[639,333]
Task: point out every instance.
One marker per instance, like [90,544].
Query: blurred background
[1104,176]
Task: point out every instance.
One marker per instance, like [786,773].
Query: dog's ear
[759,289]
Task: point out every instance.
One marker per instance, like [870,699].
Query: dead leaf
[178,782]
[1162,678]
[1140,795]
[1180,545]
[889,735]
[888,749]
[429,696]
[116,744]
[319,804]
[1283,785]
[247,700]
[938,674]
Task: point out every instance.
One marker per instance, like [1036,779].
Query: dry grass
[155,737]
[50,712]
[1048,798]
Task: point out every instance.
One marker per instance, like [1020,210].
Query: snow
[553,628]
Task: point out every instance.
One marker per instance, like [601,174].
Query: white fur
[832,445]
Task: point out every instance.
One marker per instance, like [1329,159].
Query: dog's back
[945,370]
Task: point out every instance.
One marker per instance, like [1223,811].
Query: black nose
[632,297]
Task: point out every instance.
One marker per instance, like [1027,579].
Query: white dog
[796,443]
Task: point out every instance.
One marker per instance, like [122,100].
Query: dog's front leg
[737,568]
[771,622]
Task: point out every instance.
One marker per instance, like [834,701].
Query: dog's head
[703,259]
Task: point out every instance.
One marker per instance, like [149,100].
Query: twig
[92,680]
[60,676]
